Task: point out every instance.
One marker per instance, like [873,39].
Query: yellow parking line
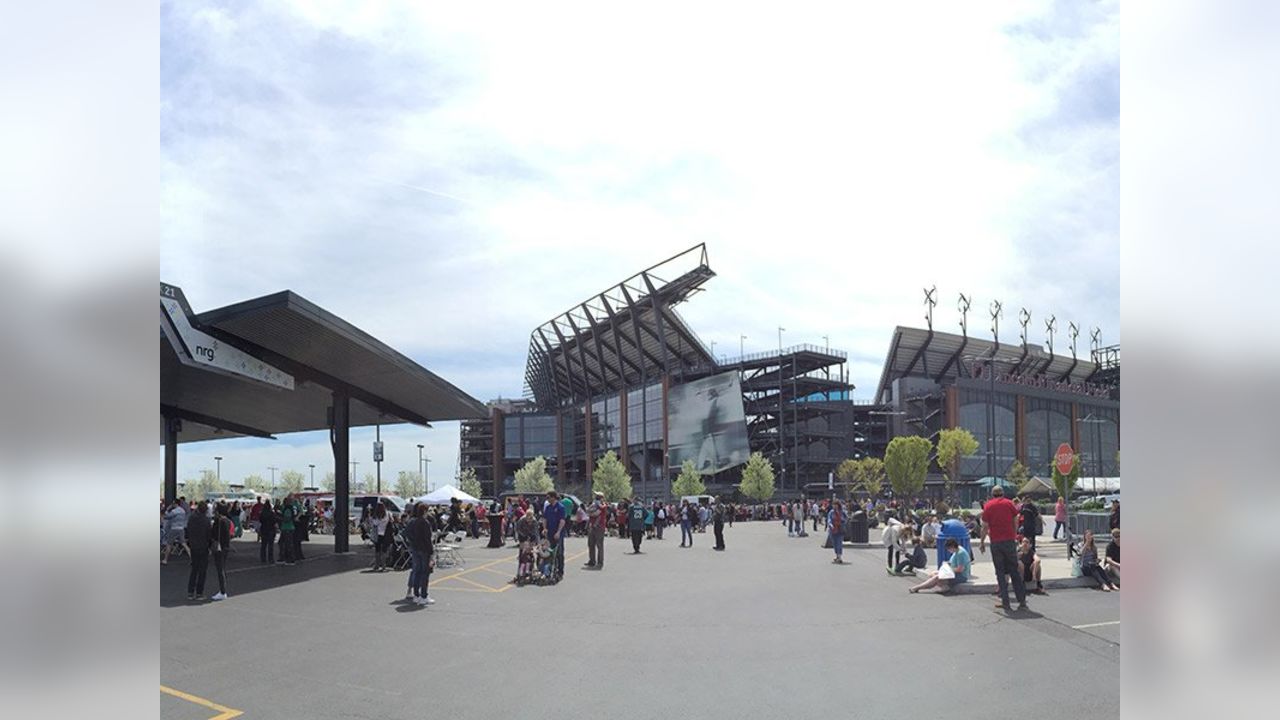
[224,713]
[469,581]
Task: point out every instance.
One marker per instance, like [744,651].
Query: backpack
[1039,524]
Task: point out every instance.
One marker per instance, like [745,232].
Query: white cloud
[448,179]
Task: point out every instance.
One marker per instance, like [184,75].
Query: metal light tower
[421,473]
[273,470]
[313,474]
[218,459]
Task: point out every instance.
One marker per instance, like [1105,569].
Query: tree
[870,475]
[468,483]
[953,444]
[689,481]
[611,478]
[329,483]
[906,462]
[848,471]
[208,483]
[256,484]
[408,484]
[291,481]
[1018,475]
[757,478]
[533,478]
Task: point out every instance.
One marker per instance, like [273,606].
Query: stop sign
[1064,458]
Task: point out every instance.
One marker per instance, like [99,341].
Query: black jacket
[199,531]
[418,534]
[221,532]
[267,520]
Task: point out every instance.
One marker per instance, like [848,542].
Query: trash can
[858,527]
[495,530]
[952,528]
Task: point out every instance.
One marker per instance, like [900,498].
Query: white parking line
[1094,625]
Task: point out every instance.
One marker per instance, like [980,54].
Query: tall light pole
[355,464]
[426,468]
[826,343]
[218,459]
[713,351]
[780,331]
[741,340]
[273,469]
[421,474]
[313,474]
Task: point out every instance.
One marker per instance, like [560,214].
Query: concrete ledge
[986,588]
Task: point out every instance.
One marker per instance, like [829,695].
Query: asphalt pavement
[770,626]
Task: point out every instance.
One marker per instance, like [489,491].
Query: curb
[1049,584]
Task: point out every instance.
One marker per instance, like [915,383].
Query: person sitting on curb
[958,564]
[917,558]
[1112,562]
[1089,566]
[1029,565]
[929,531]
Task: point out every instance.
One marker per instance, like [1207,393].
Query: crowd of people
[540,525]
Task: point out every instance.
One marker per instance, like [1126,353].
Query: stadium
[623,371]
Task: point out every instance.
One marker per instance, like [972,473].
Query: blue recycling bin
[952,528]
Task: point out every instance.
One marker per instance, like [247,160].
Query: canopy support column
[171,427]
[339,439]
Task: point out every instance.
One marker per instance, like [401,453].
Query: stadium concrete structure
[615,371]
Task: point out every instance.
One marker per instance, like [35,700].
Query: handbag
[1076,571]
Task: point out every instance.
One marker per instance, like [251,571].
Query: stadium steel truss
[621,338]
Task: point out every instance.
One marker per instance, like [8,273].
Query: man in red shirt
[998,522]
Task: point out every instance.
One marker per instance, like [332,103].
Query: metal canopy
[324,353]
[935,354]
[623,336]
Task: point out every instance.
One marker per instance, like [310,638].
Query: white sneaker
[219,596]
[409,595]
[428,600]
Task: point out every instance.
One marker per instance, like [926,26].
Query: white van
[696,499]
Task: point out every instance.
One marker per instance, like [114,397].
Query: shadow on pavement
[246,575]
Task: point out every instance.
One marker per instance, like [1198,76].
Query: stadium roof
[929,353]
[627,334]
[290,357]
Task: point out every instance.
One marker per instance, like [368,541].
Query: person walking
[660,512]
[997,522]
[635,524]
[717,522]
[175,529]
[220,544]
[421,556]
[835,529]
[199,533]
[687,518]
[1060,517]
[381,536]
[597,522]
[1113,522]
[303,530]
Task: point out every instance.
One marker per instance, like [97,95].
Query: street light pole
[355,464]
[218,459]
[273,469]
[426,468]
[741,339]
[421,474]
[313,474]
[780,331]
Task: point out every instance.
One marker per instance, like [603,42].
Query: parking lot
[769,617]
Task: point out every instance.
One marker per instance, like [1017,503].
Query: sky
[448,178]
